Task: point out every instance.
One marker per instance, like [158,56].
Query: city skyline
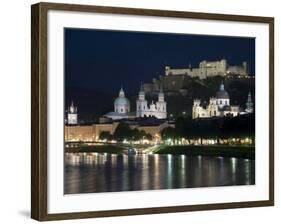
[157,111]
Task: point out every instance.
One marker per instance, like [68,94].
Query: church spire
[121,92]
[221,86]
[141,88]
[141,92]
[161,88]
[72,116]
[161,94]
[72,108]
[249,103]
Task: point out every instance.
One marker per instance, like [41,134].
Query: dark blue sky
[104,60]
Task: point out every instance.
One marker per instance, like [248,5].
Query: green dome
[222,94]
[120,101]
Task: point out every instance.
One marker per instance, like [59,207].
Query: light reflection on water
[101,172]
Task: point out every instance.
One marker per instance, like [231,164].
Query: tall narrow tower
[72,116]
[196,108]
[249,104]
[161,105]
[141,103]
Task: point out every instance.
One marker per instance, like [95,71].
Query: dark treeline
[123,131]
[224,127]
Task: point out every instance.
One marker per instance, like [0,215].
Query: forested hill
[237,89]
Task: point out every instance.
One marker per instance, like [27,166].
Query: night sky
[105,60]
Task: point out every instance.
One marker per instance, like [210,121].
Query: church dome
[121,101]
[222,94]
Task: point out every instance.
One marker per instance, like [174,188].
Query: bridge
[139,148]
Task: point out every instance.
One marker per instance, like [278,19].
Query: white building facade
[158,109]
[72,115]
[219,106]
[121,108]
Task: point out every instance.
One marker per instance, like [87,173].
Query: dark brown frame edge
[39,110]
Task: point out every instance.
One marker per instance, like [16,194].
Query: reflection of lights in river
[199,158]
[170,167]
[75,159]
[89,159]
[182,171]
[156,160]
[183,161]
[169,156]
[96,158]
[113,159]
[152,172]
[157,171]
[247,171]
[233,164]
[233,168]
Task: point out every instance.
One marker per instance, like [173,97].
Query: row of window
[122,110]
[205,114]
[220,103]
[144,108]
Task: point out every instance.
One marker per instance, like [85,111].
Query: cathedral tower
[212,108]
[161,105]
[196,108]
[141,103]
[249,104]
[72,116]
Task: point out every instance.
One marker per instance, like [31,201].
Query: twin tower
[158,109]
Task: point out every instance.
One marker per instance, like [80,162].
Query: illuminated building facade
[72,115]
[220,106]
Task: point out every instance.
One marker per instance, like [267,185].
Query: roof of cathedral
[120,114]
[222,94]
[121,100]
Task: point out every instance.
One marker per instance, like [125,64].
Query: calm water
[97,172]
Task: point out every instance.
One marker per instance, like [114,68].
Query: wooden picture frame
[39,108]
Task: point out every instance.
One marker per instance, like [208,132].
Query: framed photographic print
[138,111]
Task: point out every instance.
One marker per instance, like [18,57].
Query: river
[101,172]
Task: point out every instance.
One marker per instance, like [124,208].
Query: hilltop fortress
[174,79]
[209,69]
